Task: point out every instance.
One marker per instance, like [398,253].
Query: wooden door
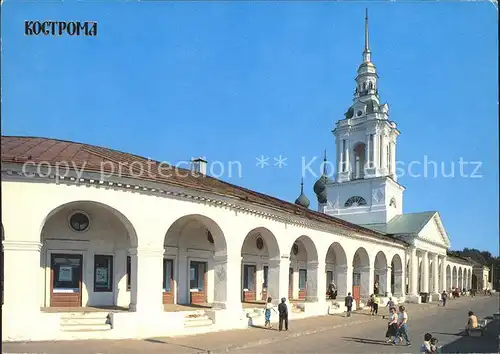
[302,284]
[356,294]
[168,281]
[66,280]
[249,283]
[264,284]
[198,282]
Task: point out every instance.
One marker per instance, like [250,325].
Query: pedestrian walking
[348,304]
[370,303]
[390,305]
[402,327]
[267,312]
[392,325]
[444,297]
[375,303]
[283,314]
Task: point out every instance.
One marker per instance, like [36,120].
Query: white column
[227,277]
[435,272]
[278,278]
[398,283]
[347,155]
[425,276]
[316,284]
[443,275]
[413,271]
[343,275]
[340,155]
[367,281]
[146,280]
[22,282]
[368,151]
[393,157]
[383,154]
[375,151]
[387,281]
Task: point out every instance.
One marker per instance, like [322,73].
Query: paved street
[329,334]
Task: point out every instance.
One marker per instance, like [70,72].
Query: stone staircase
[254,312]
[197,319]
[84,322]
[297,307]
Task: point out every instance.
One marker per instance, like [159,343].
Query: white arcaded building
[92,253]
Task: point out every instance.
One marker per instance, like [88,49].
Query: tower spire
[366,52]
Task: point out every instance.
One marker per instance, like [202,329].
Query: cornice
[217,200]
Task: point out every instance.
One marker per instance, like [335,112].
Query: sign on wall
[65,273]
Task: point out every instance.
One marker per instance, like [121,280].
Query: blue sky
[233,81]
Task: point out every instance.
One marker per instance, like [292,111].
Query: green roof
[411,223]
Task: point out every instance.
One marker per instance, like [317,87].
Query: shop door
[66,280]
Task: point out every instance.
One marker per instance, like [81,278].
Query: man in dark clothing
[283,313]
[348,303]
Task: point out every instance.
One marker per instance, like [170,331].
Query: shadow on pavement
[157,341]
[488,343]
[366,341]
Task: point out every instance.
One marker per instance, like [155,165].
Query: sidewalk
[251,337]
[217,342]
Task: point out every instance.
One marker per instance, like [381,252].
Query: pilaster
[146,285]
[227,270]
[278,278]
[442,285]
[425,276]
[22,284]
[435,273]
[413,272]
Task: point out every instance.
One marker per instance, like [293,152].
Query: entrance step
[84,322]
[254,312]
[197,319]
[297,307]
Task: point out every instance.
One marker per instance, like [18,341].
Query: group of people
[282,313]
[430,345]
[397,326]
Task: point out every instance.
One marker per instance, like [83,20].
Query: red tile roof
[19,149]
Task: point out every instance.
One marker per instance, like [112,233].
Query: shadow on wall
[488,343]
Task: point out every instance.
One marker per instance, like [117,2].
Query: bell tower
[365,190]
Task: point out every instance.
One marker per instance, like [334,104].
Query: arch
[336,269]
[192,245]
[397,275]
[174,232]
[85,204]
[359,159]
[309,247]
[303,273]
[109,237]
[361,273]
[380,271]
[259,253]
[460,283]
[355,201]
